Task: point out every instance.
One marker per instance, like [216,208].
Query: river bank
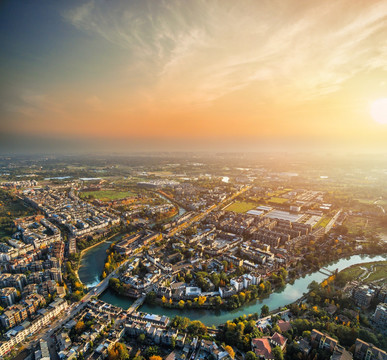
[277,299]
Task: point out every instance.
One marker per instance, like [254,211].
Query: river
[92,269]
[93,261]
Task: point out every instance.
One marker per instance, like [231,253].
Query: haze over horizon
[195,75]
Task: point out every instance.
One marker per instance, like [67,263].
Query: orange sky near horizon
[200,71]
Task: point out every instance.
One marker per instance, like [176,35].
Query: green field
[11,208]
[353,272]
[241,206]
[324,221]
[355,224]
[106,195]
[377,271]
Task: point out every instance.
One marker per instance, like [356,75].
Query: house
[323,341]
[305,346]
[366,351]
[341,354]
[284,325]
[262,348]
[278,340]
[380,315]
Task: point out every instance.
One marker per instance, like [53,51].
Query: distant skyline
[186,75]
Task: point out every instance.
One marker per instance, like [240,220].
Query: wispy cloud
[208,49]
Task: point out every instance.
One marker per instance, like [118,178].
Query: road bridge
[136,304]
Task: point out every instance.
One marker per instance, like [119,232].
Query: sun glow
[379,110]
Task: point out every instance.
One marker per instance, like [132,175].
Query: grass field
[106,195]
[377,271]
[356,224]
[241,206]
[382,202]
[11,208]
[353,272]
[277,200]
[324,221]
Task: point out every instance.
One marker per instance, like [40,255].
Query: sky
[226,74]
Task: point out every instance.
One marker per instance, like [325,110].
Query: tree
[181,304]
[250,356]
[261,287]
[216,301]
[152,351]
[141,338]
[277,353]
[196,327]
[155,357]
[202,300]
[151,297]
[264,311]
[79,327]
[230,351]
[118,352]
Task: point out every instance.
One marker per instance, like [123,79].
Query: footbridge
[326,272]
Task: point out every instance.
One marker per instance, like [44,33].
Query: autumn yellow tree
[202,300]
[181,304]
[164,299]
[230,351]
[118,352]
[79,326]
[155,357]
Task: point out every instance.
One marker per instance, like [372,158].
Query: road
[71,312]
[74,309]
[203,214]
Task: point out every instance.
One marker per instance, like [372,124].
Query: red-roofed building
[284,325]
[278,340]
[262,348]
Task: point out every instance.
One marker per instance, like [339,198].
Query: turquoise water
[289,294]
[93,262]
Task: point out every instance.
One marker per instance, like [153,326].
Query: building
[16,337]
[262,348]
[341,354]
[366,351]
[323,341]
[8,295]
[380,315]
[363,296]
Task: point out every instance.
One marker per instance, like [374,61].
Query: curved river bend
[93,262]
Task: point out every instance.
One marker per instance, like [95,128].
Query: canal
[93,262]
